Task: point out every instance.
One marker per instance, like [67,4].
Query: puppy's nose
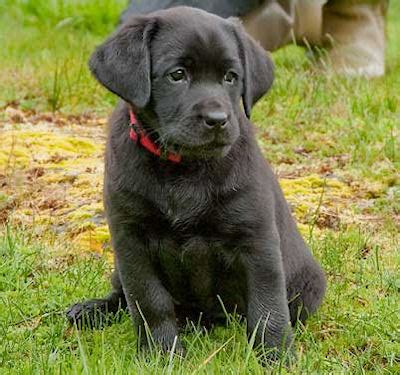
[215,119]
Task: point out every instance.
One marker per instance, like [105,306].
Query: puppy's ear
[122,64]
[258,68]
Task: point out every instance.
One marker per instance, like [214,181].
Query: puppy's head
[185,72]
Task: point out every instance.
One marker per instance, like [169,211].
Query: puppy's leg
[306,291]
[93,313]
[267,309]
[150,304]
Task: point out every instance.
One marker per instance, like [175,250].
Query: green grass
[354,332]
[45,48]
[310,123]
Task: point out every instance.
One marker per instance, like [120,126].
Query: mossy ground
[333,142]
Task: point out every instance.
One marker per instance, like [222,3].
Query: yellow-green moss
[94,239]
[305,194]
[24,147]
[68,193]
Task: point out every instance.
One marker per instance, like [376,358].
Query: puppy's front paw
[271,356]
[277,349]
[164,336]
[89,314]
[273,340]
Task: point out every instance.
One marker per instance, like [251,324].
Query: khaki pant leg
[308,21]
[272,23]
[355,33]
[279,22]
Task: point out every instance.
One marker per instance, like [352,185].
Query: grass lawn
[334,143]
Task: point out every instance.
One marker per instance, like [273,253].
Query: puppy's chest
[184,207]
[192,270]
[193,211]
[193,233]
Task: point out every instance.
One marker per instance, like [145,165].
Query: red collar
[137,134]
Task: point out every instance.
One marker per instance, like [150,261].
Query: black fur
[216,226]
[222,8]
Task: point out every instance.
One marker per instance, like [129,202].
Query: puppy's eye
[178,75]
[230,77]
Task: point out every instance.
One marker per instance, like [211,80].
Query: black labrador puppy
[198,221]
